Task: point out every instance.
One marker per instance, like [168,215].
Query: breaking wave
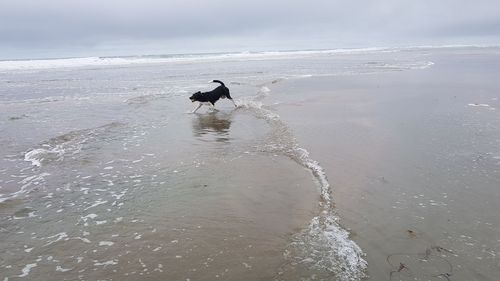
[44,64]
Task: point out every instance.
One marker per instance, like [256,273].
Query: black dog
[210,98]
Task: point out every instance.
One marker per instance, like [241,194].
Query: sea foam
[45,64]
[324,245]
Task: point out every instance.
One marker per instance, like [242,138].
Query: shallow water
[413,158]
[105,176]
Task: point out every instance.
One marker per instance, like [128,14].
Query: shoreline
[403,145]
[383,140]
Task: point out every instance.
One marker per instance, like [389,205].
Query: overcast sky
[63,28]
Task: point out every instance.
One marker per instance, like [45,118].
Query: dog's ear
[227,94]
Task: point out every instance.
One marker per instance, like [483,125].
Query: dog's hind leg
[199,105]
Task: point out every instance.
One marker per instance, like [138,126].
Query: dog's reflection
[212,124]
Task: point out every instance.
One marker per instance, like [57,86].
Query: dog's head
[195,96]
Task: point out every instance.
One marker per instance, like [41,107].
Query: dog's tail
[220,82]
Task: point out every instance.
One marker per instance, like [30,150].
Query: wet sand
[106,176]
[414,161]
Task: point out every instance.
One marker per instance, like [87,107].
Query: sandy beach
[361,165]
[413,158]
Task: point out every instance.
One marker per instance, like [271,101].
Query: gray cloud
[91,27]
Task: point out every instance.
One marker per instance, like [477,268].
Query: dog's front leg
[199,105]
[212,107]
